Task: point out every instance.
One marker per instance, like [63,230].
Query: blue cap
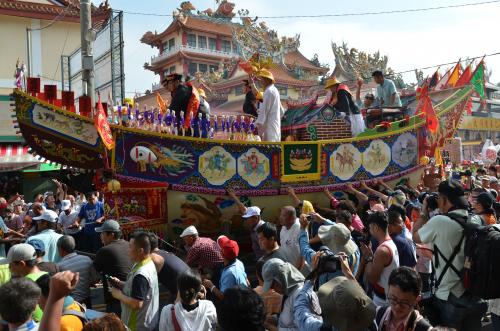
[37,244]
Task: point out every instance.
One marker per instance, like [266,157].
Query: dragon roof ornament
[353,63]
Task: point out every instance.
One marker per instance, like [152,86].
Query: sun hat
[338,238]
[266,74]
[345,305]
[47,215]
[330,82]
[65,205]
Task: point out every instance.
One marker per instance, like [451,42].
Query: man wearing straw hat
[270,111]
[341,100]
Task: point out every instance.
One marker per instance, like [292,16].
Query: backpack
[421,325]
[481,270]
[85,315]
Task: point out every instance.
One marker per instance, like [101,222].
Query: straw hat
[330,82]
[201,92]
[266,74]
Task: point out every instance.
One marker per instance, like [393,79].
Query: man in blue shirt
[233,274]
[93,215]
[387,93]
[406,247]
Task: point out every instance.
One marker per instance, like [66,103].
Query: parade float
[194,172]
[148,160]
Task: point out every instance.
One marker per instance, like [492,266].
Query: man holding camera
[336,238]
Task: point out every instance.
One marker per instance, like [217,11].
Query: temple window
[214,68]
[171,69]
[283,91]
[202,67]
[212,44]
[193,68]
[202,42]
[238,90]
[191,40]
[226,46]
[171,44]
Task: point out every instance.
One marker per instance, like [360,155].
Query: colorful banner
[150,203]
[300,162]
[102,126]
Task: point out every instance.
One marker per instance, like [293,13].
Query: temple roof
[51,9]
[297,58]
[281,75]
[192,23]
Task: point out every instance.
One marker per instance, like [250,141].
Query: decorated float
[147,160]
[193,173]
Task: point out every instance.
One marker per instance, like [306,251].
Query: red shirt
[204,253]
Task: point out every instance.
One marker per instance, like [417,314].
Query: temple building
[208,46]
[484,123]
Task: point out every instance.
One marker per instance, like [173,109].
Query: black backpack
[481,270]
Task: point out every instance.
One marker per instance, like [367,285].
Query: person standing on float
[270,111]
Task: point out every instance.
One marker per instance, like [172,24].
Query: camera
[329,262]
[309,218]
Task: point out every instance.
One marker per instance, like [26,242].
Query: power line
[57,18]
[410,10]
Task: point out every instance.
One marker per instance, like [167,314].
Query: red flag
[431,120]
[469,106]
[424,108]
[102,125]
[465,78]
[434,79]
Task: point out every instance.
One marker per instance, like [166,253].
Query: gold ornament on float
[114,186]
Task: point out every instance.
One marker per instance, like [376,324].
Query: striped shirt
[82,264]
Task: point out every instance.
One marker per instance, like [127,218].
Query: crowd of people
[376,258]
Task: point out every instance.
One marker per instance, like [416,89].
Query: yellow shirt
[71,322]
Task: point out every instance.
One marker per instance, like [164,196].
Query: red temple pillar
[184,38]
[218,43]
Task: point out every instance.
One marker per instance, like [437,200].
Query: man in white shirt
[289,236]
[454,306]
[67,221]
[270,111]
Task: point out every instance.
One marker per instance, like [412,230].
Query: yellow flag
[455,75]
[161,103]
[438,157]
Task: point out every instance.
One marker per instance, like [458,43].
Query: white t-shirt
[66,220]
[289,240]
[203,318]
[445,233]
[286,320]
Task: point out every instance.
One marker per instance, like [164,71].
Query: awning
[15,157]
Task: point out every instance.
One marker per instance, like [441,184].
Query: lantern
[114,185]
[424,160]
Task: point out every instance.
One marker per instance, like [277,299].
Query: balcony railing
[156,86]
[203,51]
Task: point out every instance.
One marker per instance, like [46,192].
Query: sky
[410,40]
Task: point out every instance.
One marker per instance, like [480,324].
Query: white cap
[65,205]
[47,215]
[189,231]
[252,211]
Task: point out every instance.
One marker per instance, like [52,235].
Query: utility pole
[87,40]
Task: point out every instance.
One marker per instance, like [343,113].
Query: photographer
[341,304]
[335,238]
